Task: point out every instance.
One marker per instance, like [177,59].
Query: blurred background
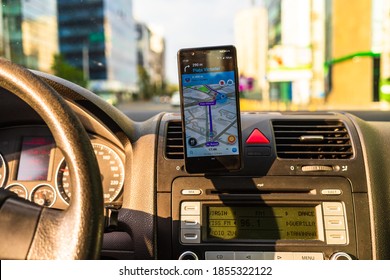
[292,54]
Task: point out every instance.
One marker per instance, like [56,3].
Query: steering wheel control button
[316,168]
[248,256]
[340,256]
[191,236]
[308,256]
[257,137]
[190,222]
[219,255]
[331,192]
[190,208]
[188,255]
[19,189]
[191,192]
[278,256]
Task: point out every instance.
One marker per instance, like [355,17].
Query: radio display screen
[237,223]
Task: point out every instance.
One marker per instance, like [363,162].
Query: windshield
[292,54]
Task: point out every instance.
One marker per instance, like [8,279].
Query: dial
[44,195]
[3,170]
[19,189]
[111,171]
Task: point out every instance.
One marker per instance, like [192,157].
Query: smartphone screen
[210,109]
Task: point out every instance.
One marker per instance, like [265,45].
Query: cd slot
[261,192]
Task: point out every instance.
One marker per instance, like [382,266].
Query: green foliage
[65,70]
[148,89]
[144,85]
[171,88]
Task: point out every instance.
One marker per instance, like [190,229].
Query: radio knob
[189,256]
[340,256]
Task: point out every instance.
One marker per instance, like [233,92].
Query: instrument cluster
[35,169]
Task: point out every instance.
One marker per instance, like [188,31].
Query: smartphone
[210,109]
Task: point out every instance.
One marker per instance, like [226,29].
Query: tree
[144,84]
[65,70]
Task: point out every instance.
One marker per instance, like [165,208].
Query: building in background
[384,29]
[274,11]
[251,37]
[318,51]
[290,57]
[99,37]
[157,48]
[151,53]
[29,34]
[349,55]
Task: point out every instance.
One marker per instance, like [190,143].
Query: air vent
[174,141]
[317,139]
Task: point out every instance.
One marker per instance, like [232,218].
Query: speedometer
[111,170]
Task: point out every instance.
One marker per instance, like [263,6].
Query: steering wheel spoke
[18,219]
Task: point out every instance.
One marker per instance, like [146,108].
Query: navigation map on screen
[210,114]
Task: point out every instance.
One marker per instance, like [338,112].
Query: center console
[262,218]
[274,209]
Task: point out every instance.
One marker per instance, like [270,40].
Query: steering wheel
[29,231]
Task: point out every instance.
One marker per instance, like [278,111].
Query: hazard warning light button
[256,137]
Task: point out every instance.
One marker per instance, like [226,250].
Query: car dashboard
[314,185]
[302,193]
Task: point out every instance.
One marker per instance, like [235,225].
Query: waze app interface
[210,108]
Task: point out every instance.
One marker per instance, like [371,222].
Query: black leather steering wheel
[29,231]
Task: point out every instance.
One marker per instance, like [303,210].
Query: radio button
[340,256]
[190,222]
[331,192]
[336,237]
[191,192]
[334,222]
[190,208]
[188,255]
[190,236]
[333,208]
[219,255]
[278,256]
[308,256]
[249,255]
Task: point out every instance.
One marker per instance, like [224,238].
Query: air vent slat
[317,139]
[311,132]
[174,141]
[325,138]
[309,126]
[315,145]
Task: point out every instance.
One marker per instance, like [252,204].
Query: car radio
[263,218]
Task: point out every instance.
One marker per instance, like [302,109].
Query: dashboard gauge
[3,170]
[19,189]
[111,170]
[44,195]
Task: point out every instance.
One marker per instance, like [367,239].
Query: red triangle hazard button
[256,137]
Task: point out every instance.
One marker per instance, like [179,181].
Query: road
[142,110]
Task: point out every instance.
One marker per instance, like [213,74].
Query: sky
[189,23]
